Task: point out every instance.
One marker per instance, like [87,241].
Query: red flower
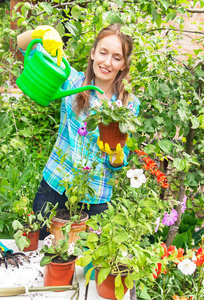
[140,152]
[32,212]
[28,215]
[158,271]
[199,257]
[24,234]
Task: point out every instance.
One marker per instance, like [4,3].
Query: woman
[108,64]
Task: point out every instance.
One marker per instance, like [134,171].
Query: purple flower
[82,130]
[183,204]
[98,232]
[170,219]
[157,224]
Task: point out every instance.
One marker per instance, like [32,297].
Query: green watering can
[42,79]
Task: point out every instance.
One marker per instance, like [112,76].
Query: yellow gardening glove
[115,156]
[51,39]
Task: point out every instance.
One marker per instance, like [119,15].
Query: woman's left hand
[116,157]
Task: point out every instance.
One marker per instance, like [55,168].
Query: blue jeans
[46,194]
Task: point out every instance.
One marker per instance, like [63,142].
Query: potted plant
[123,249]
[77,189]
[59,259]
[114,121]
[27,227]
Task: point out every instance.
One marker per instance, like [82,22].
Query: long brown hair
[82,99]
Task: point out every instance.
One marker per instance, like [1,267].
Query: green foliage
[62,249]
[30,222]
[106,113]
[77,183]
[27,136]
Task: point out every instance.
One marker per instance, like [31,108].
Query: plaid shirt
[68,142]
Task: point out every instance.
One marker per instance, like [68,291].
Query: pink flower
[170,219]
[130,106]
[157,224]
[95,231]
[86,169]
[82,130]
[7,11]
[183,204]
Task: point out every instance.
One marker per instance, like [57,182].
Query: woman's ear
[92,53]
[123,68]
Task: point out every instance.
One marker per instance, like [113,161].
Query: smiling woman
[108,66]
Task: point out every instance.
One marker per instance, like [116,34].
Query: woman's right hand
[51,39]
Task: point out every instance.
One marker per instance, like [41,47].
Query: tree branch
[174,29]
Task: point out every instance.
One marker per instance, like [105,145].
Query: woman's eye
[102,53]
[117,58]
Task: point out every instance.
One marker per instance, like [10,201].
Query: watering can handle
[36,41]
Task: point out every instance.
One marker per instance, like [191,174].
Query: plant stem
[199,283]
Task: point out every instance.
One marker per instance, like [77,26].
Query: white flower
[96,103]
[71,249]
[137,178]
[118,103]
[48,242]
[110,105]
[187,267]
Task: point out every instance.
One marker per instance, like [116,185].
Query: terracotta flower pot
[75,228]
[111,134]
[107,288]
[34,239]
[59,274]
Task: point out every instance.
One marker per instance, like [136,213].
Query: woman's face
[107,59]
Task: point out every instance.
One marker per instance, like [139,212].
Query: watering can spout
[64,93]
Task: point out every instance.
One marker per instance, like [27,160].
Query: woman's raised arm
[24,39]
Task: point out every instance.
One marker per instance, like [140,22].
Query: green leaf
[119,292]
[195,122]
[154,14]
[120,237]
[73,199]
[47,7]
[123,126]
[179,164]
[119,219]
[84,260]
[88,275]
[101,251]
[118,280]
[103,274]
[112,247]
[165,145]
[93,237]
[165,4]
[171,16]
[128,282]
[91,124]
[45,260]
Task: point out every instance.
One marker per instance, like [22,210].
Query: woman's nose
[108,60]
